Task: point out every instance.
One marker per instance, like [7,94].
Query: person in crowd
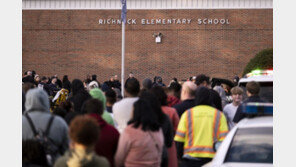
[173,80]
[142,141]
[43,85]
[116,83]
[33,73]
[253,89]
[187,97]
[28,77]
[79,95]
[94,78]
[58,82]
[92,85]
[174,91]
[130,76]
[147,84]
[158,82]
[203,80]
[235,80]
[122,110]
[59,111]
[110,100]
[27,86]
[33,154]
[108,84]
[220,90]
[66,83]
[36,80]
[84,133]
[164,120]
[88,79]
[68,106]
[61,96]
[107,143]
[53,86]
[37,117]
[174,118]
[230,109]
[195,146]
[96,93]
[118,94]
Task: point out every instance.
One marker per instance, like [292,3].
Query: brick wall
[73,42]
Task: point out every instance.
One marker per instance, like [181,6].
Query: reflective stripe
[216,125]
[189,119]
[180,134]
[223,134]
[199,149]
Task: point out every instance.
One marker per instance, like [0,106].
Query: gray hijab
[37,100]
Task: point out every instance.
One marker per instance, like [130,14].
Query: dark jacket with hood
[80,95]
[37,107]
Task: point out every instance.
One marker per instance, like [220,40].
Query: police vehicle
[250,142]
[264,78]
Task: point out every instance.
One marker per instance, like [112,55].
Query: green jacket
[96,93]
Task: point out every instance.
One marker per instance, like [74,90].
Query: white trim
[146,4]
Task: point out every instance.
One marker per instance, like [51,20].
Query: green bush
[262,60]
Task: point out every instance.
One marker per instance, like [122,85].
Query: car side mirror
[217,145]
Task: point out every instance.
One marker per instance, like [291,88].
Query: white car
[248,144]
[264,78]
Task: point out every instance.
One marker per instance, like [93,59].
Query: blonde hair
[236,90]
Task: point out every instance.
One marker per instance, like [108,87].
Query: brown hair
[84,130]
[253,87]
[237,90]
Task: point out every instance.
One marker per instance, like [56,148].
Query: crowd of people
[87,124]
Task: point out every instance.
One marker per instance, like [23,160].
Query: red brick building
[215,41]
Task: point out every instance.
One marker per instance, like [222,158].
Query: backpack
[50,148]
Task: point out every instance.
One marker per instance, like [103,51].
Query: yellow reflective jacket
[199,128]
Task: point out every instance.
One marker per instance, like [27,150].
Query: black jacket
[185,105]
[239,115]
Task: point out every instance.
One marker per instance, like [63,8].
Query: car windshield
[266,90]
[251,145]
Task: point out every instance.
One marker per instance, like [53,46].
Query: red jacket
[107,144]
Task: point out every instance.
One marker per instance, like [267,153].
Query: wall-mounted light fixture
[157,37]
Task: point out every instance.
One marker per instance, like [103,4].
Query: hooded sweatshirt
[96,93]
[81,158]
[37,107]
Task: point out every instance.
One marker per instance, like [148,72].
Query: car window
[266,91]
[251,145]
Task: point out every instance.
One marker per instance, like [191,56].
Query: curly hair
[84,130]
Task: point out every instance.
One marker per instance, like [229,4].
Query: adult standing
[79,95]
[66,83]
[96,93]
[187,97]
[174,118]
[84,133]
[199,128]
[122,110]
[28,77]
[107,143]
[215,99]
[141,142]
[37,116]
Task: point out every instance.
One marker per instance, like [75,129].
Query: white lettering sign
[167,21]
